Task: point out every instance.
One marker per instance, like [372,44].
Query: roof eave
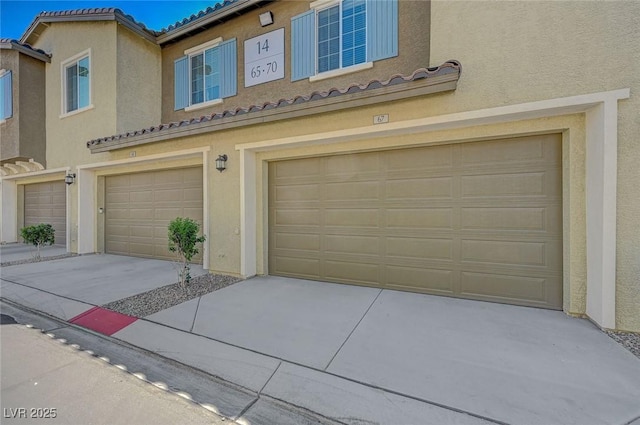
[95,17]
[26,51]
[206,19]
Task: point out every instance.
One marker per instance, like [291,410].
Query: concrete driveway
[498,362]
[18,252]
[67,287]
[360,355]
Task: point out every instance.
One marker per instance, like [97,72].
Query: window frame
[201,49]
[3,118]
[75,60]
[319,6]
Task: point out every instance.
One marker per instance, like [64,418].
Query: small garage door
[47,203]
[139,207]
[478,220]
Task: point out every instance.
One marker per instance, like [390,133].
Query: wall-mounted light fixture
[221,162]
[70,178]
[266,18]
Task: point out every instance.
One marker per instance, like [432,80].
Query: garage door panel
[293,266]
[352,191]
[423,218]
[423,188]
[344,244]
[298,217]
[140,206]
[297,193]
[436,219]
[47,203]
[420,279]
[531,289]
[352,218]
[423,248]
[419,159]
[526,219]
[305,242]
[353,271]
[352,165]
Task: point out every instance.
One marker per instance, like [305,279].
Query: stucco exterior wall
[139,80]
[10,129]
[514,52]
[413,47]
[67,135]
[32,102]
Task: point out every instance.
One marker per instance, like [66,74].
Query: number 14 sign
[264,58]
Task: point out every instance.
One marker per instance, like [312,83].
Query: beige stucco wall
[10,129]
[67,135]
[139,80]
[32,101]
[413,47]
[514,52]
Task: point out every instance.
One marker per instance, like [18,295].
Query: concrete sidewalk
[364,355]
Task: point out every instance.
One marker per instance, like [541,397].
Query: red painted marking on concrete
[104,321]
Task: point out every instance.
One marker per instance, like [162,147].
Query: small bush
[183,238]
[38,235]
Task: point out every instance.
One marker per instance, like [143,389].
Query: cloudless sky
[16,15]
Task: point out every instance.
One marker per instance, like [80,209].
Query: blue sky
[15,16]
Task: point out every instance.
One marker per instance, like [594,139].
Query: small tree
[183,237]
[38,235]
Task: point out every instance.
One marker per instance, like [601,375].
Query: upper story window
[76,83]
[340,36]
[6,95]
[206,74]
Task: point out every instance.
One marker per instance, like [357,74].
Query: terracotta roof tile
[199,15]
[446,68]
[9,41]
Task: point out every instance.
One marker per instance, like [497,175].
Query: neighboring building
[357,151]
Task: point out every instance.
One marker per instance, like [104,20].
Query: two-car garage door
[139,207]
[479,220]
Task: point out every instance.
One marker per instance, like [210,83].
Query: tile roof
[95,11]
[448,67]
[199,15]
[9,43]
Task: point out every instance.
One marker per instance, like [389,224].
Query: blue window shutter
[6,96]
[228,68]
[382,26]
[181,83]
[303,45]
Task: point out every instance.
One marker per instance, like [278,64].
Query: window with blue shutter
[341,34]
[206,76]
[6,101]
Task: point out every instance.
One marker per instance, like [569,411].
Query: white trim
[203,105]
[341,71]
[76,111]
[323,4]
[35,173]
[601,179]
[205,209]
[148,158]
[204,46]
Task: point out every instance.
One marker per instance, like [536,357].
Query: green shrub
[38,235]
[183,238]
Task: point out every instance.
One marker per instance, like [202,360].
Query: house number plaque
[264,58]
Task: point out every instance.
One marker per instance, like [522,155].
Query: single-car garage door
[139,207]
[47,203]
[479,220]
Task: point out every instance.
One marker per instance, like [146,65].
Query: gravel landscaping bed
[629,340]
[33,260]
[153,301]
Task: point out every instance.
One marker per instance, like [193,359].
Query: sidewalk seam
[195,315]
[353,330]
[265,384]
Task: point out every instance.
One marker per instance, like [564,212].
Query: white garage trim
[9,189]
[87,180]
[601,181]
